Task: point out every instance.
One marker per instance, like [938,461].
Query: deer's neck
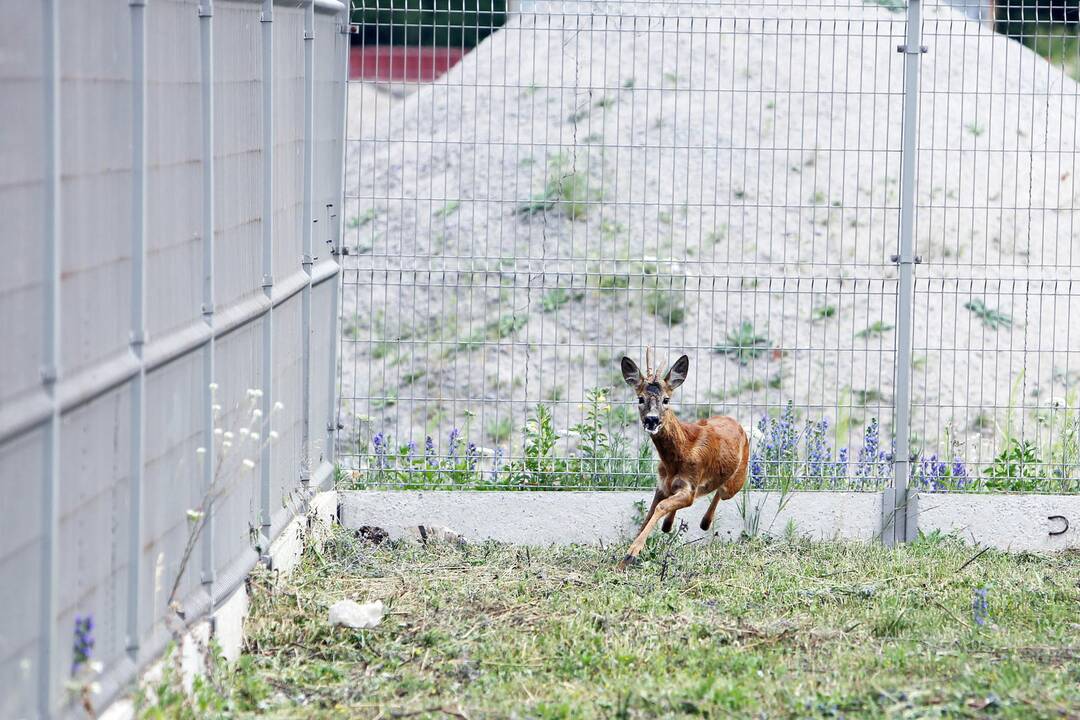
[670,439]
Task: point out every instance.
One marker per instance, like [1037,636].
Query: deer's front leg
[683,498]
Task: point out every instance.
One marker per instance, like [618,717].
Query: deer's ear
[677,374]
[630,372]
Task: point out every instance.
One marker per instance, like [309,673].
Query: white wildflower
[94,688]
[215,407]
[226,444]
[194,515]
[255,436]
[218,431]
[96,666]
[213,386]
[273,434]
[279,405]
[249,464]
[244,431]
[200,451]
[228,435]
[256,413]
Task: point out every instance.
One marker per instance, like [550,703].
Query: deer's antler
[648,361]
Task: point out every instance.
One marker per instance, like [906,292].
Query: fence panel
[591,179]
[995,348]
[132,183]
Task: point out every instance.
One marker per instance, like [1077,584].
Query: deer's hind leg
[707,518]
[726,491]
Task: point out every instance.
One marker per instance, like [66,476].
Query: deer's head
[653,392]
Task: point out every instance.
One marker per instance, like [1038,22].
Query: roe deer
[696,458]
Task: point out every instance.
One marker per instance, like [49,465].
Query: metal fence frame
[232,335]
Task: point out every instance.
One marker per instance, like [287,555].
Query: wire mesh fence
[725,181]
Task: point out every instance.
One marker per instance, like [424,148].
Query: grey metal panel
[20,566]
[96,187]
[22,102]
[173,144]
[171,483]
[288,390]
[238,364]
[288,139]
[94,489]
[238,157]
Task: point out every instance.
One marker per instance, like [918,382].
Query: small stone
[354,615]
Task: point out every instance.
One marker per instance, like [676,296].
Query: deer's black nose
[651,423]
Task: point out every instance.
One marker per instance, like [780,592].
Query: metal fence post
[50,370]
[206,51]
[267,21]
[137,338]
[335,240]
[308,220]
[912,50]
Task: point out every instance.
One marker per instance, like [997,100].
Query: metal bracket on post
[906,261]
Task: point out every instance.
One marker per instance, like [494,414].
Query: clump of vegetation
[361,220]
[557,297]
[567,191]
[991,318]
[448,209]
[666,298]
[875,330]
[824,312]
[744,343]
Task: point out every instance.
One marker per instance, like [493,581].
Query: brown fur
[698,458]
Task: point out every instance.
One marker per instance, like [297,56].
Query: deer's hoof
[628,561]
[706,522]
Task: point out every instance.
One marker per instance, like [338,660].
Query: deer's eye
[640,400]
[666,400]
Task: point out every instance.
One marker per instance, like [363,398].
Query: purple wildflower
[455,436]
[472,454]
[379,443]
[429,451]
[873,461]
[818,451]
[757,471]
[980,607]
[496,464]
[84,642]
[410,449]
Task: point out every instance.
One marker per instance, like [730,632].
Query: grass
[566,190]
[991,318]
[877,329]
[558,297]
[773,629]
[667,305]
[744,344]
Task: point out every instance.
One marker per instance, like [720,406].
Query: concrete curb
[1016,523]
[566,518]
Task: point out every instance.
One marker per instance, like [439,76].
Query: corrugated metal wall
[169,217]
